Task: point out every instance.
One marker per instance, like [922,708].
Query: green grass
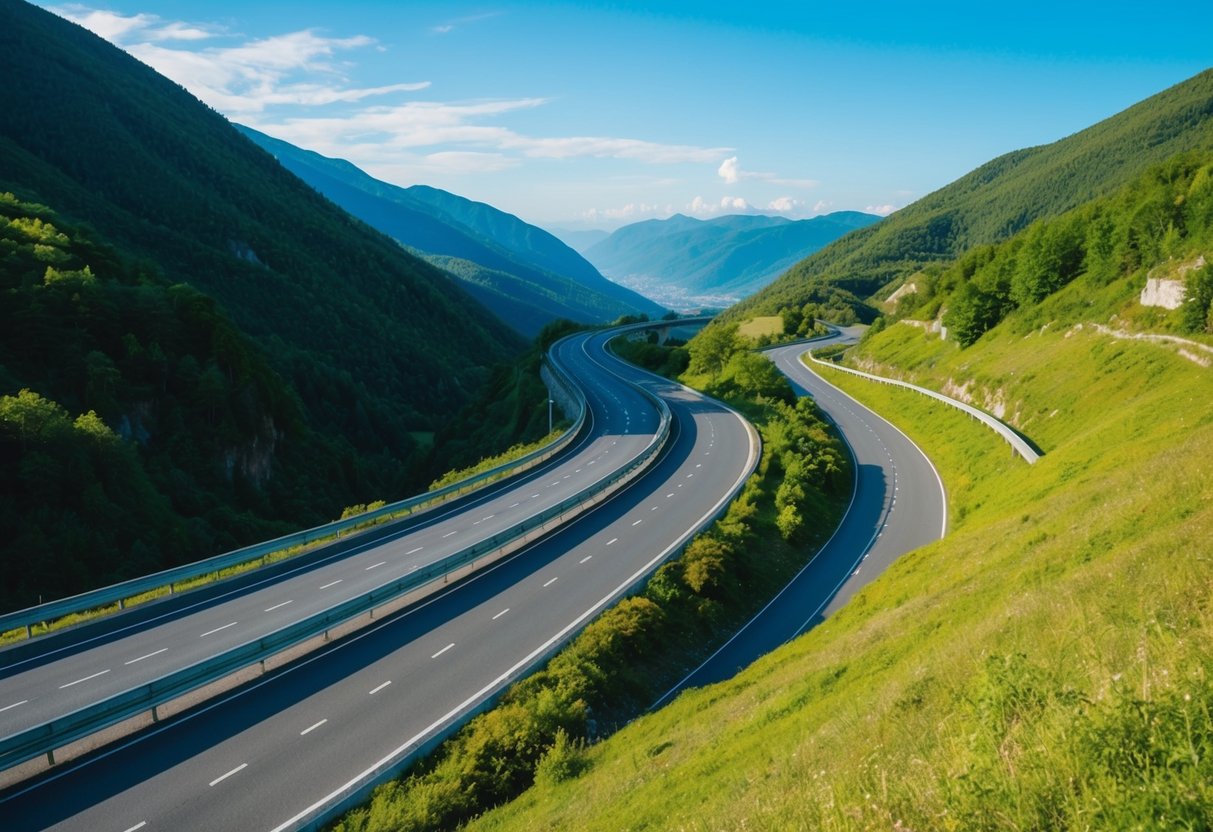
[1045,666]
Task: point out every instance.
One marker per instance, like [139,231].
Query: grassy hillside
[375,342]
[527,276]
[1045,666]
[999,199]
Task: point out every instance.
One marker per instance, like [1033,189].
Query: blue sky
[592,115]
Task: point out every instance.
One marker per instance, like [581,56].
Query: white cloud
[631,212]
[700,207]
[821,206]
[785,205]
[117,28]
[730,171]
[882,210]
[451,25]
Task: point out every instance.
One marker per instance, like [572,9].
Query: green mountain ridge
[548,280]
[261,358]
[733,255]
[998,199]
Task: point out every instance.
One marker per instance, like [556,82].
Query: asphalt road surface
[262,756]
[898,505]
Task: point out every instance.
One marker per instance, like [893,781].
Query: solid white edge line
[312,728]
[223,777]
[555,639]
[147,655]
[85,679]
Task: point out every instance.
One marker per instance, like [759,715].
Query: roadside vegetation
[542,729]
[1045,666]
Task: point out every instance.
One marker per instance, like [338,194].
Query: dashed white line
[584,559]
[482,519]
[15,704]
[145,656]
[332,583]
[654,508]
[534,496]
[551,581]
[414,551]
[312,728]
[137,826]
[380,687]
[638,522]
[443,650]
[280,606]
[375,565]
[671,494]
[448,534]
[515,505]
[217,629]
[223,777]
[503,612]
[698,464]
[689,476]
[612,540]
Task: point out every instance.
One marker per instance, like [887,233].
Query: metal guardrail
[119,592]
[56,733]
[1016,441]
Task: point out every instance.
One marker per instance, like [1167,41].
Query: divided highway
[269,755]
[898,505]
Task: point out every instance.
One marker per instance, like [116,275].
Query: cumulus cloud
[785,205]
[731,172]
[821,206]
[882,210]
[700,207]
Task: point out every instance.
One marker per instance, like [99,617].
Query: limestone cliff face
[1165,284]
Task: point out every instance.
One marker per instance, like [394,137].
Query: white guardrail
[1016,441]
[59,732]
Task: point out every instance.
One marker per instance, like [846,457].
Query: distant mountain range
[714,262]
[580,240]
[526,275]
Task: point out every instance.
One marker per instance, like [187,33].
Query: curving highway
[898,504]
[270,754]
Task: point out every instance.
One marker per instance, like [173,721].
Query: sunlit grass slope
[1045,666]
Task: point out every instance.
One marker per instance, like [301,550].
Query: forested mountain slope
[362,330]
[1000,198]
[256,358]
[522,272]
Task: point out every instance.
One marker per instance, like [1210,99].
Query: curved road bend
[898,505]
[261,756]
[36,690]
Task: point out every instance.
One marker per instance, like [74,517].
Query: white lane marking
[217,629]
[223,777]
[503,612]
[375,565]
[534,496]
[332,583]
[689,476]
[584,559]
[612,540]
[515,505]
[698,464]
[138,825]
[482,519]
[638,522]
[414,551]
[147,655]
[448,534]
[15,704]
[241,767]
[552,581]
[592,461]
[378,688]
[312,728]
[654,508]
[280,606]
[443,650]
[668,496]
